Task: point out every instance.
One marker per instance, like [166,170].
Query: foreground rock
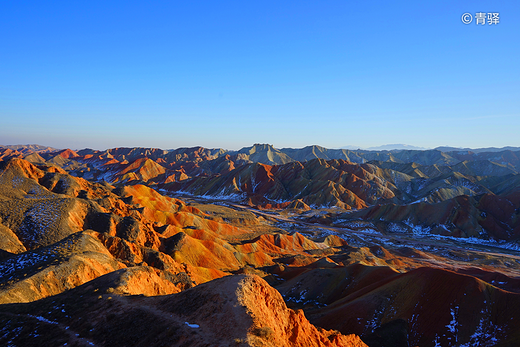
[240,310]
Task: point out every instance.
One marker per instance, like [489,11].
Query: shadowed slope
[236,310]
[487,216]
[440,307]
[316,183]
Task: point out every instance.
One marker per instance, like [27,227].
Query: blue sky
[228,74]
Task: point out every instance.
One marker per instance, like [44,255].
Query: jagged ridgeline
[468,193]
[259,247]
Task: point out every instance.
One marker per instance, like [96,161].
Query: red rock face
[7,153]
[68,154]
[316,183]
[441,307]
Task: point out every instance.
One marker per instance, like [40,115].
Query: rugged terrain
[259,247]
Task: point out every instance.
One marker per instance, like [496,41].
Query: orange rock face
[273,324]
[235,310]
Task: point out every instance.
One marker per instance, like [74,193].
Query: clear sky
[229,74]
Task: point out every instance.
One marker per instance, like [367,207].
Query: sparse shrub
[263,332]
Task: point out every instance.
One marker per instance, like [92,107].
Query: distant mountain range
[209,160]
[396,147]
[391,147]
[477,150]
[34,148]
[314,177]
[30,148]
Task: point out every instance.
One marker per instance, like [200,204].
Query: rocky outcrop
[53,269]
[240,310]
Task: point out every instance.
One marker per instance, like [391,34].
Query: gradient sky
[229,74]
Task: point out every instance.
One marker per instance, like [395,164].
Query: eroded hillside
[205,247]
